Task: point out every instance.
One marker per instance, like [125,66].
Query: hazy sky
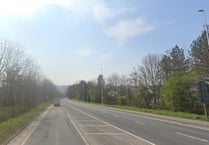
[73,39]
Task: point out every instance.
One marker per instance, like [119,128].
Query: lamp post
[206,28]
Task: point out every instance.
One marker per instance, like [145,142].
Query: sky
[76,40]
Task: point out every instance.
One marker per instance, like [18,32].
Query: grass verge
[9,127]
[155,111]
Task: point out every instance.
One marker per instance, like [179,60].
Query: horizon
[73,40]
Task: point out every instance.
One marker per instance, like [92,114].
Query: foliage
[177,91]
[22,86]
[174,61]
[159,82]
[150,75]
[10,126]
[123,100]
[141,97]
[200,55]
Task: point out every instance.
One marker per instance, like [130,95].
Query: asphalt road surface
[81,124]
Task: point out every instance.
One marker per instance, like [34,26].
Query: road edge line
[36,125]
[150,116]
[151,143]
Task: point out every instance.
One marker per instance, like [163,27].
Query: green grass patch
[9,127]
[155,111]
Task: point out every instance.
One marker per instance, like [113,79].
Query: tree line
[162,81]
[22,85]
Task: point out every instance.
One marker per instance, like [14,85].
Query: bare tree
[150,74]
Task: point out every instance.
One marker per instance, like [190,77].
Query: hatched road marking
[125,132]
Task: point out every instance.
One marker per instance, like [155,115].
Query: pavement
[82,124]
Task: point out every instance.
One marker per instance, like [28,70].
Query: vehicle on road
[57,102]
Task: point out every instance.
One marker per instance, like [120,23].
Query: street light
[206,28]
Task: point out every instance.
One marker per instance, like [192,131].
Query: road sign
[203,89]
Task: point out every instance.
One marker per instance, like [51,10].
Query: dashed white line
[114,126]
[93,125]
[85,120]
[141,123]
[115,115]
[105,133]
[197,138]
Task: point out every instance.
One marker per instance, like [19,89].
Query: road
[81,124]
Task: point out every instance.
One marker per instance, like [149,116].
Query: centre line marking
[106,133]
[113,126]
[86,120]
[197,138]
[141,123]
[94,125]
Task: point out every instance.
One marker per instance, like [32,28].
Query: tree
[134,77]
[200,55]
[177,91]
[21,82]
[174,61]
[151,76]
[142,98]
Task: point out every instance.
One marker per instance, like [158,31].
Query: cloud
[127,29]
[21,7]
[28,7]
[102,11]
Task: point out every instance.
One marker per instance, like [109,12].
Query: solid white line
[141,123]
[129,112]
[197,138]
[106,133]
[37,123]
[29,134]
[85,141]
[114,126]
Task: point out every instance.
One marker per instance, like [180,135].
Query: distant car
[57,102]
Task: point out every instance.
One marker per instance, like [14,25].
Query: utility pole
[206,31]
[102,88]
[206,26]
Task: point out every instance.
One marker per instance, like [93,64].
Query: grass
[9,127]
[155,111]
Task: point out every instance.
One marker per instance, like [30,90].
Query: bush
[123,100]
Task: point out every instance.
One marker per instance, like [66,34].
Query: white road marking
[35,126]
[114,126]
[93,125]
[115,115]
[85,120]
[192,131]
[105,133]
[81,118]
[197,138]
[29,134]
[141,123]
[122,111]
[85,141]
